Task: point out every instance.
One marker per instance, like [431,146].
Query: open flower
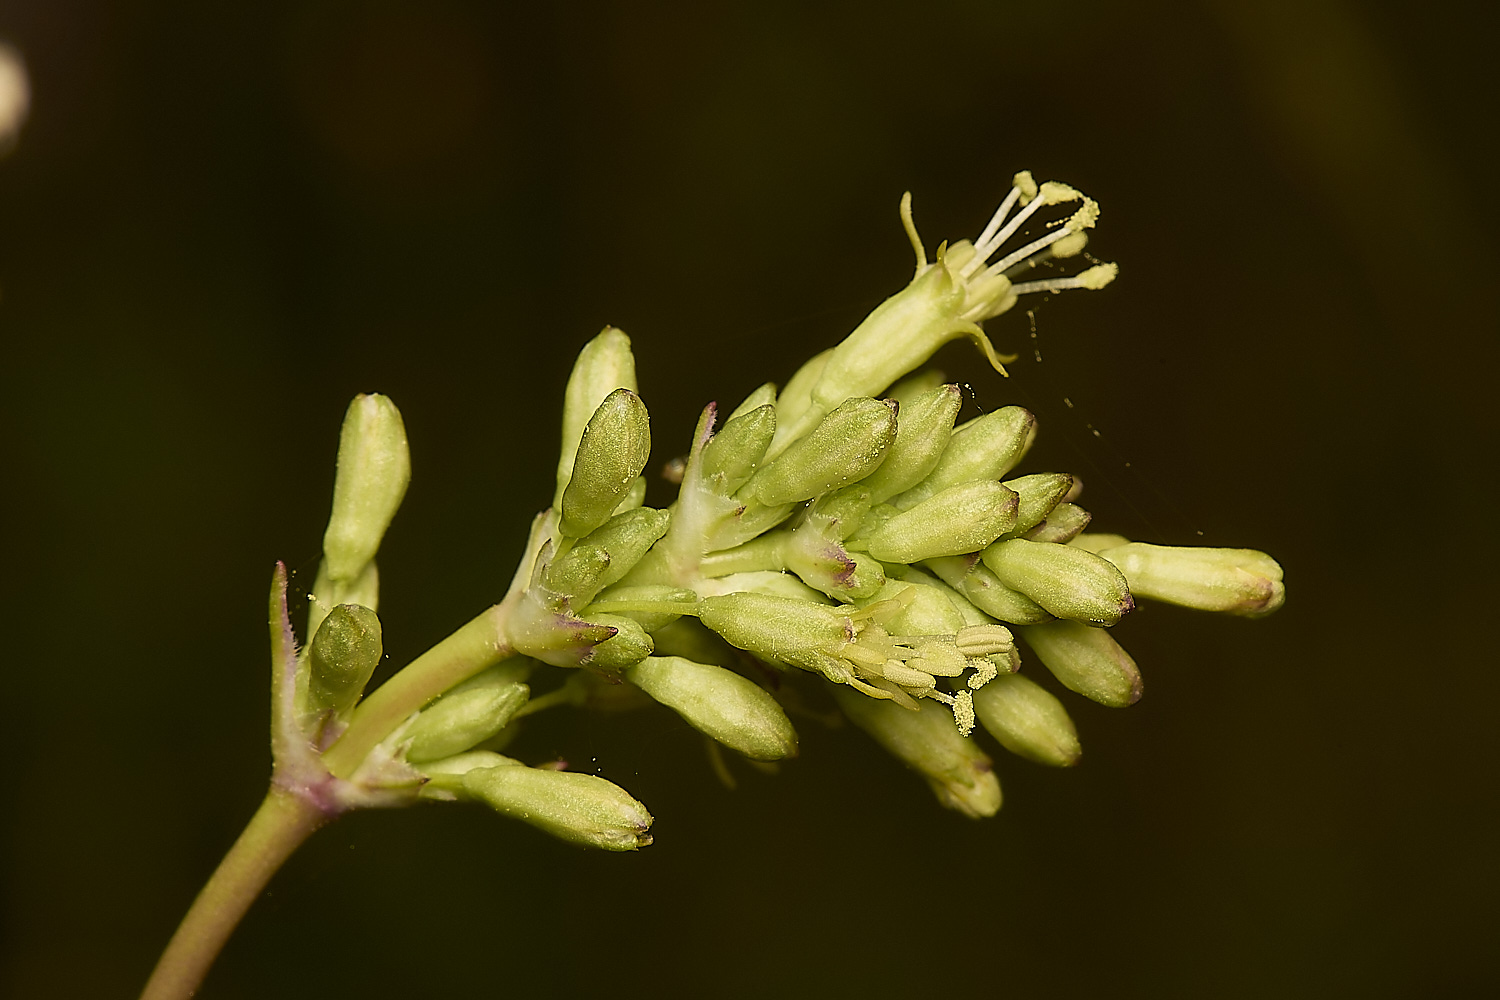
[949,296]
[849,645]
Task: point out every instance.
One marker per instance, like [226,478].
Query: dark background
[222,221]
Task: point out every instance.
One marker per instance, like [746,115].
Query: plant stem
[481,643]
[278,827]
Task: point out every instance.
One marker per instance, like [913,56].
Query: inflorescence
[842,526]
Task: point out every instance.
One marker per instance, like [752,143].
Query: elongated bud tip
[1237,581]
[578,808]
[374,468]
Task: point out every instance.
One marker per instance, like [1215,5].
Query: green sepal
[914,385]
[897,338]
[926,611]
[649,593]
[628,646]
[796,398]
[762,396]
[328,593]
[606,554]
[782,629]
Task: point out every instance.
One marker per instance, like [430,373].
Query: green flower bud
[968,613]
[460,764]
[839,514]
[1062,525]
[578,808]
[959,773]
[1086,660]
[604,365]
[720,704]
[467,715]
[606,554]
[1027,720]
[848,445]
[763,396]
[985,591]
[344,654]
[579,571]
[374,467]
[963,518]
[923,428]
[1038,494]
[634,497]
[629,645]
[1067,581]
[795,400]
[927,610]
[732,455]
[327,593]
[783,629]
[1239,581]
[614,448]
[986,447]
[763,582]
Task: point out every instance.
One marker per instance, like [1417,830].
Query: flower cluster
[844,526]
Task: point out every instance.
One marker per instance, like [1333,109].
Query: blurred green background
[222,221]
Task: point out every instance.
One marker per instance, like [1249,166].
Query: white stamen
[1094,278]
[1000,266]
[999,216]
[983,250]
